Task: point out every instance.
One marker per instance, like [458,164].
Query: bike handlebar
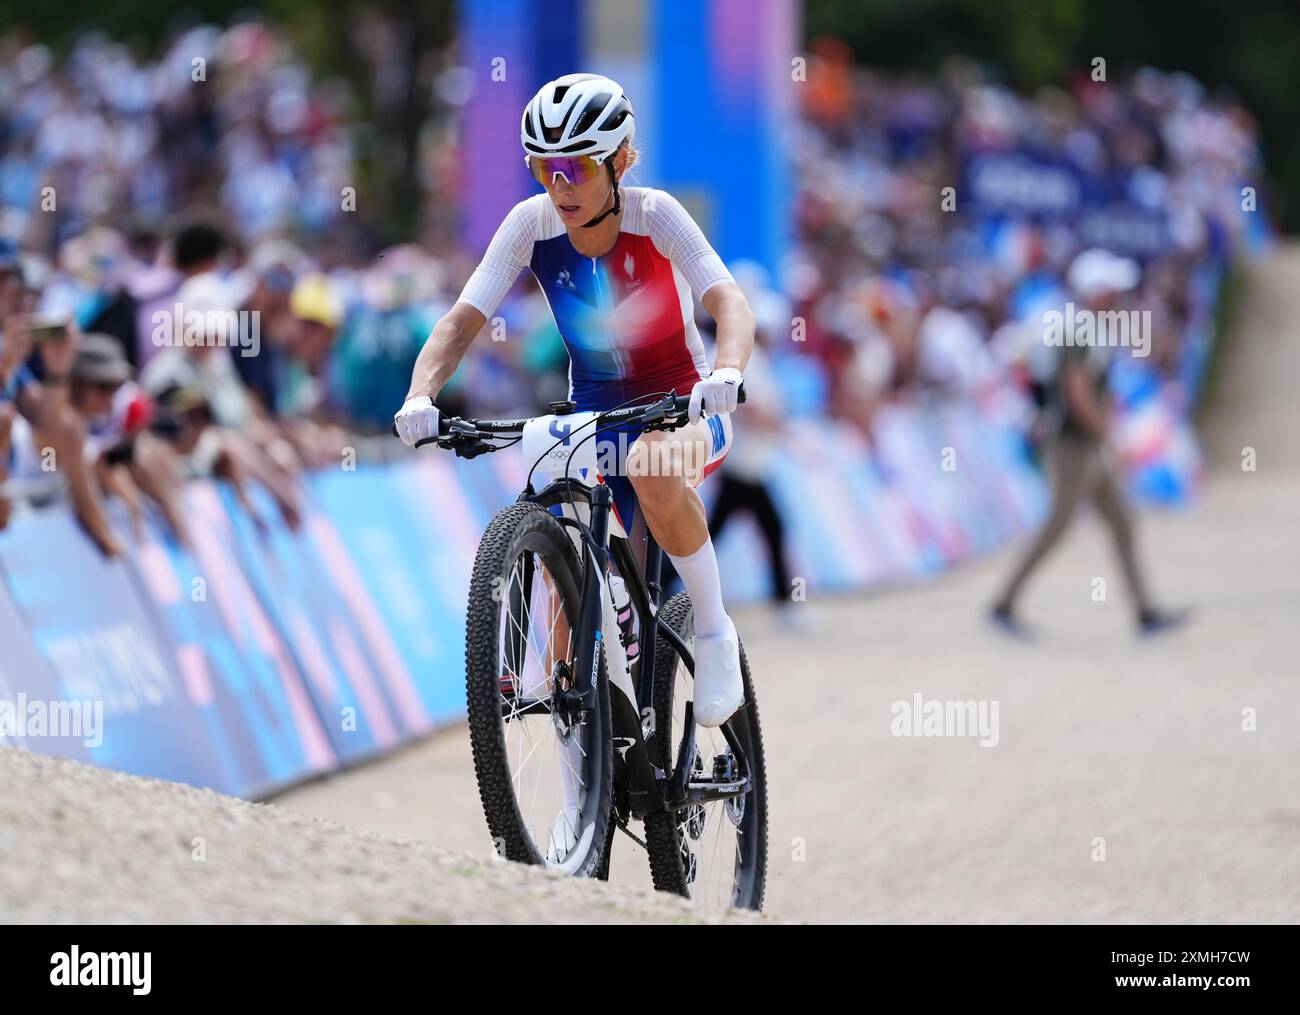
[455,433]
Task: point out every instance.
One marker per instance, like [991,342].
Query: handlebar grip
[684,400]
[443,430]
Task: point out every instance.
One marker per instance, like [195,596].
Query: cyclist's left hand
[716,394]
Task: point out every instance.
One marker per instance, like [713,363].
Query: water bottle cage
[623,613]
[630,643]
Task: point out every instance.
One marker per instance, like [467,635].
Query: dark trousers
[1079,473]
[741,495]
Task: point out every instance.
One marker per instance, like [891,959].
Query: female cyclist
[617,268]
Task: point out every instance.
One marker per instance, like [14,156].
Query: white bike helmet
[578,114]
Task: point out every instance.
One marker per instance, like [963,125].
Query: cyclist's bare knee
[660,463]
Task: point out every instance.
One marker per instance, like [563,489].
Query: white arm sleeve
[675,233]
[507,255]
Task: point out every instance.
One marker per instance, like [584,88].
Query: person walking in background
[1080,457]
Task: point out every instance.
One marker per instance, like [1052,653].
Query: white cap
[1097,271]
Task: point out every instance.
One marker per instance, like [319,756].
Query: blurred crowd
[939,218]
[185,286]
[184,293]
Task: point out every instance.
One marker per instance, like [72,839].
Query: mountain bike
[571,738]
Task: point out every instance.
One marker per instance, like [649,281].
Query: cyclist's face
[579,202]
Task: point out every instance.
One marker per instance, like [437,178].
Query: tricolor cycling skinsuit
[626,317]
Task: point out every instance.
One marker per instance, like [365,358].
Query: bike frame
[651,784]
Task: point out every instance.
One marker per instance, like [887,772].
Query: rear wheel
[715,853]
[543,766]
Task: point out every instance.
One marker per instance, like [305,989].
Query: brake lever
[474,448]
[655,417]
[665,424]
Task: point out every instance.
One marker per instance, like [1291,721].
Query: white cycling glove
[716,394]
[416,420]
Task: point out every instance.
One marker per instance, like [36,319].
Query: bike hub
[566,702]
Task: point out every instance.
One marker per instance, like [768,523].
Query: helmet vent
[592,110]
[615,118]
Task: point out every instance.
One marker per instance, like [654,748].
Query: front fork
[598,616]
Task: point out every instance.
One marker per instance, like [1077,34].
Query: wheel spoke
[534,640]
[717,851]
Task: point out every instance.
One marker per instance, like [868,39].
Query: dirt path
[92,846]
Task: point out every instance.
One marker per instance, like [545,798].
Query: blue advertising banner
[251,661]
[303,603]
[30,695]
[401,546]
[1022,185]
[85,618]
[1017,183]
[213,664]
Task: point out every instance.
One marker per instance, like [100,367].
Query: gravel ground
[91,846]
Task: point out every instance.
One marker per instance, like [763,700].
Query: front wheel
[544,769]
[714,853]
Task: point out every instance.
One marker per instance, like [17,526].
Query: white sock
[699,574]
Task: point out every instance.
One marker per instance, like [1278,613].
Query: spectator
[274,268]
[130,462]
[745,471]
[203,361]
[45,434]
[197,249]
[1081,457]
[307,393]
[382,334]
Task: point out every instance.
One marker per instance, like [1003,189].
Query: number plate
[559,442]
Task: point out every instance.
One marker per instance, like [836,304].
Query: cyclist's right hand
[416,420]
